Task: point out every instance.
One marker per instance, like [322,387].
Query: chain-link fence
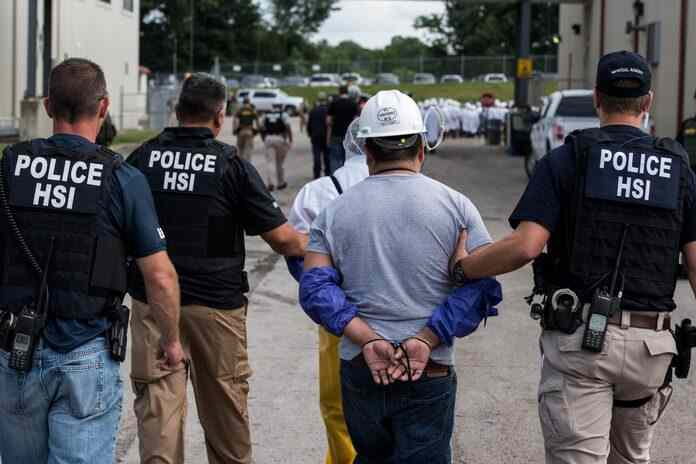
[468,67]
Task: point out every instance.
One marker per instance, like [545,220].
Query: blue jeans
[404,423]
[337,154]
[65,410]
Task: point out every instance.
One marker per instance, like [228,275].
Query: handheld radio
[604,305]
[30,322]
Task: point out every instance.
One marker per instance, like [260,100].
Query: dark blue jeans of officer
[402,423]
[65,410]
[320,152]
[337,155]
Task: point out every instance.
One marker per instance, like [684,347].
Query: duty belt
[654,321]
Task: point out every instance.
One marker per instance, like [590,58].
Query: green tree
[220,28]
[488,29]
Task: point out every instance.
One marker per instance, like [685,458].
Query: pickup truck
[562,113]
[264,99]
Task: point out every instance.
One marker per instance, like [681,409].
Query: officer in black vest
[277,138]
[207,199]
[615,207]
[687,137]
[72,213]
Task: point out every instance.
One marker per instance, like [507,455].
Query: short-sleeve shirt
[391,238]
[343,110]
[131,216]
[244,199]
[551,189]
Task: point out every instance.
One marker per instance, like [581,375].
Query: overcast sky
[372,24]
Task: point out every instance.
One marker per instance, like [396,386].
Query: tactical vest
[274,124]
[246,116]
[689,138]
[639,186]
[60,194]
[187,188]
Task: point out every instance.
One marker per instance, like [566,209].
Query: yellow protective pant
[341,449]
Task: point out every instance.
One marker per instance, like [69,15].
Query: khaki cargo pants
[245,143]
[276,150]
[215,344]
[580,423]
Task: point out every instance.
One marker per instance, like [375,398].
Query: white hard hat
[390,113]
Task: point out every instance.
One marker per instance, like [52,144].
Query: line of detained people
[397,307]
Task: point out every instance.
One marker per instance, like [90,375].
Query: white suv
[264,99]
[563,112]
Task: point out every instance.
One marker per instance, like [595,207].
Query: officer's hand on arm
[286,241]
[506,255]
[162,288]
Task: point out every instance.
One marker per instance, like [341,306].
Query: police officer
[687,137]
[246,126]
[207,198]
[73,211]
[615,207]
[277,137]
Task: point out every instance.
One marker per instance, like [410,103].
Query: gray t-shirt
[391,237]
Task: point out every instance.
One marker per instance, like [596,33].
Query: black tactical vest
[246,116]
[59,193]
[689,138]
[186,184]
[639,185]
[274,124]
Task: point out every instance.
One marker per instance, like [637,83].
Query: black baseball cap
[623,74]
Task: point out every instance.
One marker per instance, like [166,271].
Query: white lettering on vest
[155,155]
[666,168]
[628,187]
[179,181]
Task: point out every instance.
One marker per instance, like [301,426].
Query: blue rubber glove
[322,298]
[295,266]
[465,308]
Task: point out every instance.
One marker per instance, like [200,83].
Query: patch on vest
[181,172]
[633,176]
[55,183]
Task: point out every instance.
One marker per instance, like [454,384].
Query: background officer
[615,206]
[94,210]
[316,130]
[276,132]
[687,137]
[246,126]
[207,198]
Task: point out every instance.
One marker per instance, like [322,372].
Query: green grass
[134,136]
[2,146]
[467,91]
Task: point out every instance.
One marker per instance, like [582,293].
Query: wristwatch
[458,274]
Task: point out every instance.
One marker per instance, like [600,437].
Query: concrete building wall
[571,64]
[102,31]
[665,74]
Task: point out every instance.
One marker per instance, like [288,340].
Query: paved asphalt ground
[498,366]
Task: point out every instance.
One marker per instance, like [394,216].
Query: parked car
[451,79]
[257,81]
[387,79]
[322,80]
[424,78]
[295,81]
[232,83]
[495,78]
[351,78]
[563,112]
[264,99]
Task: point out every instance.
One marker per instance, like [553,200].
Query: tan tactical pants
[245,143]
[215,344]
[580,423]
[276,151]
